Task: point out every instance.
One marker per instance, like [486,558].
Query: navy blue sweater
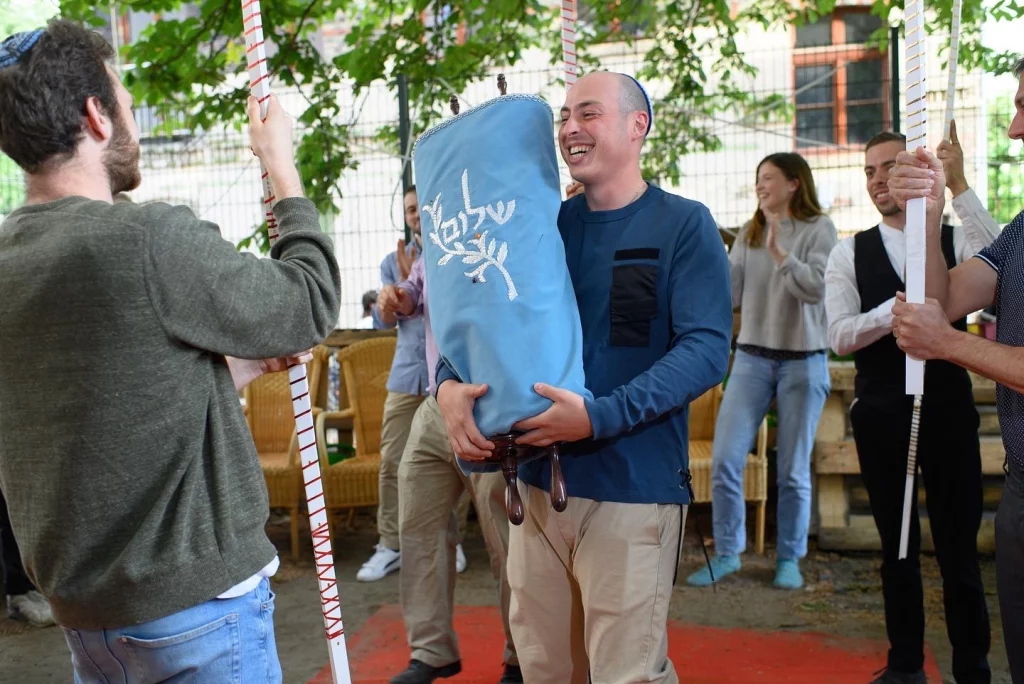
[652,284]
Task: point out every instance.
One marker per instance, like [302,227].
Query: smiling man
[591,585]
[862,278]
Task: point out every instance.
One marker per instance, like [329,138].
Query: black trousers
[16,582]
[949,456]
[1010,569]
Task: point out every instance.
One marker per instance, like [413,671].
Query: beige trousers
[591,588]
[429,484]
[399,410]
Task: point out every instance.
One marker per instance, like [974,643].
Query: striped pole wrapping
[569,42]
[330,604]
[917,124]
[954,54]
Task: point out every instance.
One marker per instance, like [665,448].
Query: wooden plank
[989,420]
[861,535]
[840,458]
[991,494]
[832,502]
[842,374]
[832,425]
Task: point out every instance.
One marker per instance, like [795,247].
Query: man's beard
[890,210]
[121,160]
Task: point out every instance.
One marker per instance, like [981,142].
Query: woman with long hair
[778,282]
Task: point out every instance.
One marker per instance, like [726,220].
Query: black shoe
[893,677]
[513,675]
[420,673]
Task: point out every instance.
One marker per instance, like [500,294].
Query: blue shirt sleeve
[1004,245]
[442,372]
[700,310]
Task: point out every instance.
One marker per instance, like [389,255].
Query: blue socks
[787,574]
[721,565]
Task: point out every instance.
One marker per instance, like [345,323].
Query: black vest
[881,366]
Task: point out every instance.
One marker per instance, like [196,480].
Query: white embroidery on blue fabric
[446,233]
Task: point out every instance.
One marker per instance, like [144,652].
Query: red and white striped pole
[330,603]
[569,42]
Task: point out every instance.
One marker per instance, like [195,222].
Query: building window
[842,89]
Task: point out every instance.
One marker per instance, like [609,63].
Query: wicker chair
[354,482]
[268,410]
[703,414]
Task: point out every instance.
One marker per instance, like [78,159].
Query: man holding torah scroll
[591,585]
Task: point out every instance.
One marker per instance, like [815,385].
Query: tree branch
[189,44]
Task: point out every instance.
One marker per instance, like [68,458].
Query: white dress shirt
[848,328]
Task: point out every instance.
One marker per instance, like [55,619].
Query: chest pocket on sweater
[634,297]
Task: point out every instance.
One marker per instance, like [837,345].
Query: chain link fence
[838,96]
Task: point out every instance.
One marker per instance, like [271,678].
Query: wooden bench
[841,507]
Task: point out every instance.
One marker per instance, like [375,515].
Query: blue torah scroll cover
[501,303]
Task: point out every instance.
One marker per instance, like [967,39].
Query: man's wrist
[956,344]
[286,181]
[958,188]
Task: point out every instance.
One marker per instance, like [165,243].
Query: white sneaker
[32,608]
[382,563]
[460,559]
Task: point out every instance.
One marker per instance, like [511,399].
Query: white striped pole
[917,124]
[954,54]
[330,603]
[569,42]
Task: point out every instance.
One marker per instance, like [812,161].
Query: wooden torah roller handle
[511,455]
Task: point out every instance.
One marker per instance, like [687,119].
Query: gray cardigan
[782,306]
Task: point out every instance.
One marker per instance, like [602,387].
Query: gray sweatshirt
[782,306]
[129,471]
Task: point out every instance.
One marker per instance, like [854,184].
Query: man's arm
[971,285]
[386,320]
[999,362]
[209,295]
[413,287]
[848,328]
[244,371]
[700,304]
[980,229]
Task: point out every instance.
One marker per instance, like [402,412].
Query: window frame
[836,56]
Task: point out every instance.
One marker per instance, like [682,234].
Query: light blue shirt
[409,368]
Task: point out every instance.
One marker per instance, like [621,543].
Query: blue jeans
[222,641]
[800,387]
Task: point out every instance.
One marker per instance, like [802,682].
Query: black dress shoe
[513,675]
[420,673]
[893,677]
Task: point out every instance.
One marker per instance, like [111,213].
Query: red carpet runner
[702,655]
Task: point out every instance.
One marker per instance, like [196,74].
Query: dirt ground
[842,597]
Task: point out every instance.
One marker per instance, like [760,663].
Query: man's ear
[640,124]
[98,123]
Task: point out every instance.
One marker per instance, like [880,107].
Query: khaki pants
[429,484]
[399,409]
[591,589]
